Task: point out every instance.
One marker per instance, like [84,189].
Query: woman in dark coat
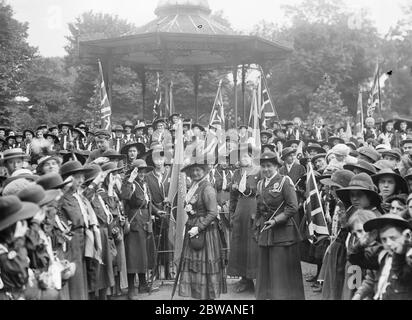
[279,275]
[243,248]
[139,242]
[203,267]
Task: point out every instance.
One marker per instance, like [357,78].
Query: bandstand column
[243,93]
[235,70]
[196,79]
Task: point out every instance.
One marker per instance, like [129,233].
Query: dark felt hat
[111,167]
[64,124]
[103,134]
[113,155]
[371,154]
[141,165]
[316,157]
[290,142]
[72,167]
[401,183]
[201,128]
[361,165]
[51,181]
[92,172]
[55,138]
[80,132]
[407,140]
[13,210]
[340,179]
[385,220]
[141,148]
[36,194]
[362,182]
[316,147]
[333,139]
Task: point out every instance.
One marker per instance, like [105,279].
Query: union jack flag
[105,107]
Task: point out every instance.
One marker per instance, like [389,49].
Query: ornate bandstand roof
[185,36]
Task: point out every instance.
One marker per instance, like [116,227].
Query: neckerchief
[193,189]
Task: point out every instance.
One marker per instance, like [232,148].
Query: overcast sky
[48,19]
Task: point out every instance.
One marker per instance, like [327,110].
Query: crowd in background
[85,212]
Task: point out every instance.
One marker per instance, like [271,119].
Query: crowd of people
[85,212]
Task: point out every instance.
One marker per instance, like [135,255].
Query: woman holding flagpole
[202,274]
[243,248]
[279,275]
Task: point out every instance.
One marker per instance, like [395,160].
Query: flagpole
[216,99]
[317,193]
[270,96]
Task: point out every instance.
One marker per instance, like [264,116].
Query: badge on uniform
[275,186]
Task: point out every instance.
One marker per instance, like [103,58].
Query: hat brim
[141,148]
[28,211]
[16,156]
[51,195]
[399,181]
[32,178]
[328,182]
[72,172]
[383,221]
[350,167]
[343,195]
[194,165]
[405,142]
[287,154]
[290,142]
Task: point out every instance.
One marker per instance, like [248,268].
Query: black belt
[78,228]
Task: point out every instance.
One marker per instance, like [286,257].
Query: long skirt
[243,248]
[77,285]
[120,266]
[140,251]
[333,271]
[105,274]
[279,275]
[203,272]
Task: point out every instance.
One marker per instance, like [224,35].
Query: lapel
[271,183]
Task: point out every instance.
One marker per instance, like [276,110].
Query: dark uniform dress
[243,248]
[70,213]
[139,243]
[159,191]
[203,272]
[279,275]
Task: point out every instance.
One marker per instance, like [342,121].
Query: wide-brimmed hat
[407,140]
[77,155]
[316,147]
[157,121]
[335,138]
[92,172]
[140,125]
[386,219]
[118,128]
[384,164]
[51,128]
[36,194]
[175,115]
[51,181]
[271,147]
[271,157]
[113,155]
[21,174]
[362,182]
[13,154]
[111,167]
[141,148]
[361,165]
[286,152]
[370,154]
[72,167]
[401,183]
[80,132]
[266,133]
[128,124]
[325,143]
[55,138]
[13,210]
[290,142]
[340,179]
[243,126]
[28,130]
[64,124]
[401,197]
[398,122]
[42,126]
[103,134]
[316,157]
[141,165]
[395,153]
[10,137]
